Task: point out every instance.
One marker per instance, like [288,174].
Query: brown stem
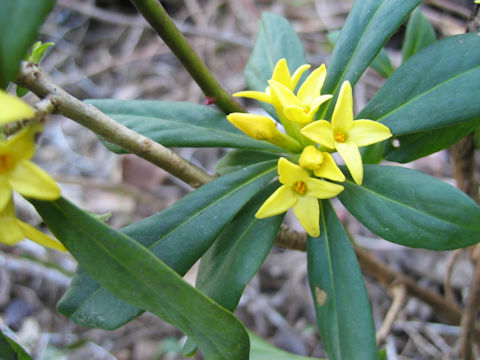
[469,316]
[399,293]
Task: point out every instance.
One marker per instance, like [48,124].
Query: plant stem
[156,15]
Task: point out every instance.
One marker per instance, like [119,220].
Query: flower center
[339,136]
[300,187]
[5,163]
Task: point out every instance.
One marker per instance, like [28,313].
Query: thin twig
[469,316]
[449,295]
[399,293]
[32,78]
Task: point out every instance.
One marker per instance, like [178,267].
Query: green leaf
[178,124]
[178,235]
[423,95]
[412,209]
[235,257]
[415,146]
[17,34]
[38,51]
[381,64]
[340,298]
[238,159]
[261,350]
[10,350]
[367,28]
[276,39]
[419,34]
[136,275]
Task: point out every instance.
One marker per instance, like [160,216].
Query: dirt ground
[103,49]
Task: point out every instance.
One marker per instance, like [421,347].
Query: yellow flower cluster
[304,184]
[18,173]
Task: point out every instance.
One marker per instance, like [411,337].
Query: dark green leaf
[16,34]
[415,146]
[413,209]
[419,34]
[423,95]
[366,30]
[238,159]
[136,275]
[340,298]
[178,124]
[10,350]
[276,39]
[261,350]
[178,235]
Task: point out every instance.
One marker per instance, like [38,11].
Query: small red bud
[210,100]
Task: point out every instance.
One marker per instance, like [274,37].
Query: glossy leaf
[340,298]
[16,34]
[369,25]
[412,209]
[276,39]
[178,235]
[415,146]
[261,350]
[419,34]
[423,95]
[136,275]
[178,124]
[9,349]
[238,159]
[235,257]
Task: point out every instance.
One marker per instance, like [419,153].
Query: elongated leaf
[178,235]
[235,257]
[136,275]
[178,124]
[423,95]
[343,310]
[367,28]
[9,349]
[237,159]
[419,33]
[413,209]
[261,350]
[415,146]
[276,39]
[16,34]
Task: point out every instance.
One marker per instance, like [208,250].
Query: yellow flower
[321,163]
[280,74]
[301,192]
[346,135]
[263,128]
[301,108]
[13,230]
[17,172]
[13,109]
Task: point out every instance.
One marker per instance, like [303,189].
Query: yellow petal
[316,104]
[312,86]
[283,95]
[10,232]
[297,75]
[29,180]
[328,169]
[307,211]
[367,132]
[297,114]
[13,109]
[5,193]
[290,173]
[342,118]
[281,72]
[322,189]
[280,201]
[311,158]
[22,145]
[257,95]
[40,238]
[257,126]
[320,131]
[351,155]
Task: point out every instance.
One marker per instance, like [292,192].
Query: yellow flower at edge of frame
[17,172]
[280,74]
[13,109]
[345,134]
[13,230]
[300,192]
